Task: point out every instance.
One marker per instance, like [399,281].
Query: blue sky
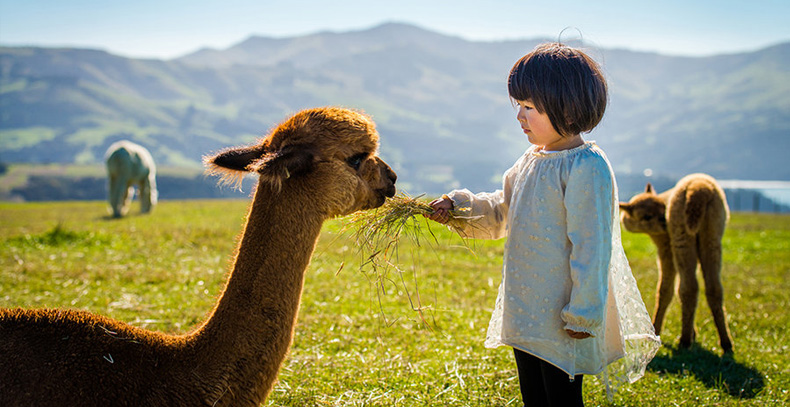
[171,28]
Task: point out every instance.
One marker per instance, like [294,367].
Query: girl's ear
[649,188]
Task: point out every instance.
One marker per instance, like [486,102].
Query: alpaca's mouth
[390,191]
[383,194]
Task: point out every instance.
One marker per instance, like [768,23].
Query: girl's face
[539,130]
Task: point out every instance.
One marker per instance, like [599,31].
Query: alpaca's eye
[356,160]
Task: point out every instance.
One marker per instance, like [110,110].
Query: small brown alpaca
[686,223]
[318,164]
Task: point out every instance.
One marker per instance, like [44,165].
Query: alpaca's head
[329,152]
[645,213]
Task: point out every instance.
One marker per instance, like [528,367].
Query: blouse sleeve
[484,215]
[589,199]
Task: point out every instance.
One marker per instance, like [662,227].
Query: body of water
[757,196]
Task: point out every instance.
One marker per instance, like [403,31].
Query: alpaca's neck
[663,247]
[660,239]
[252,325]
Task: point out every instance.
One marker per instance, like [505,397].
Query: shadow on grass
[111,218]
[712,370]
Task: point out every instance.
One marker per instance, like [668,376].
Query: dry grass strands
[378,233]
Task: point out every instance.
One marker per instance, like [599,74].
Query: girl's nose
[521,116]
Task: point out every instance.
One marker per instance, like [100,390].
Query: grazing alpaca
[686,223]
[318,164]
[130,165]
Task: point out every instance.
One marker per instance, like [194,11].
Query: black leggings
[545,385]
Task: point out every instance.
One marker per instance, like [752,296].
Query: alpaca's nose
[391,176]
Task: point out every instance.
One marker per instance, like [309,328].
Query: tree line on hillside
[65,188]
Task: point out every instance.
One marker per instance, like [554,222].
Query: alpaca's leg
[665,290]
[710,262]
[128,194]
[684,253]
[153,192]
[117,195]
[145,196]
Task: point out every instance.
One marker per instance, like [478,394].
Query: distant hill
[440,103]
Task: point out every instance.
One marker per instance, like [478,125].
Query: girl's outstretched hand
[577,335]
[441,210]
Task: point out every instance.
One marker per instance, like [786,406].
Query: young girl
[568,304]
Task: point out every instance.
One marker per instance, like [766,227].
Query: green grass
[359,340]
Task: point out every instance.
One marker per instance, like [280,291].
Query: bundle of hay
[378,231]
[377,234]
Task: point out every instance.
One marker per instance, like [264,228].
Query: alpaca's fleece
[687,224]
[130,165]
[318,164]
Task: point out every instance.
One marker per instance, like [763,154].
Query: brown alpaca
[318,164]
[686,223]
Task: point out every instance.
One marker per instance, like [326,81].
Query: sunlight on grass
[359,340]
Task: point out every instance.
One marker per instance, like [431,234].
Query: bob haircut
[563,82]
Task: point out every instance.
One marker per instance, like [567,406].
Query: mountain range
[440,103]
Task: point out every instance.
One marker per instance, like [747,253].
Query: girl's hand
[577,335]
[441,210]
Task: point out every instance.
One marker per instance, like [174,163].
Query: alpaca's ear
[649,189]
[290,161]
[233,163]
[235,159]
[626,207]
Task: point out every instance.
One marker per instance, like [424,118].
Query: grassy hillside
[359,340]
[440,104]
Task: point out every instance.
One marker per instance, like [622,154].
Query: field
[402,338]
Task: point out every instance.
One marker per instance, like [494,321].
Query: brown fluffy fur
[686,223]
[54,357]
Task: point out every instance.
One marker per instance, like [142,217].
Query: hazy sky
[171,28]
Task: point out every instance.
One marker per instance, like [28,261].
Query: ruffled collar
[533,151]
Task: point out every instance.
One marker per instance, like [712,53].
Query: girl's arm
[482,215]
[589,201]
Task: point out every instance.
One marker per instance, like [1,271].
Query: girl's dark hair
[563,82]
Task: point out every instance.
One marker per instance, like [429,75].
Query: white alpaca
[130,165]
